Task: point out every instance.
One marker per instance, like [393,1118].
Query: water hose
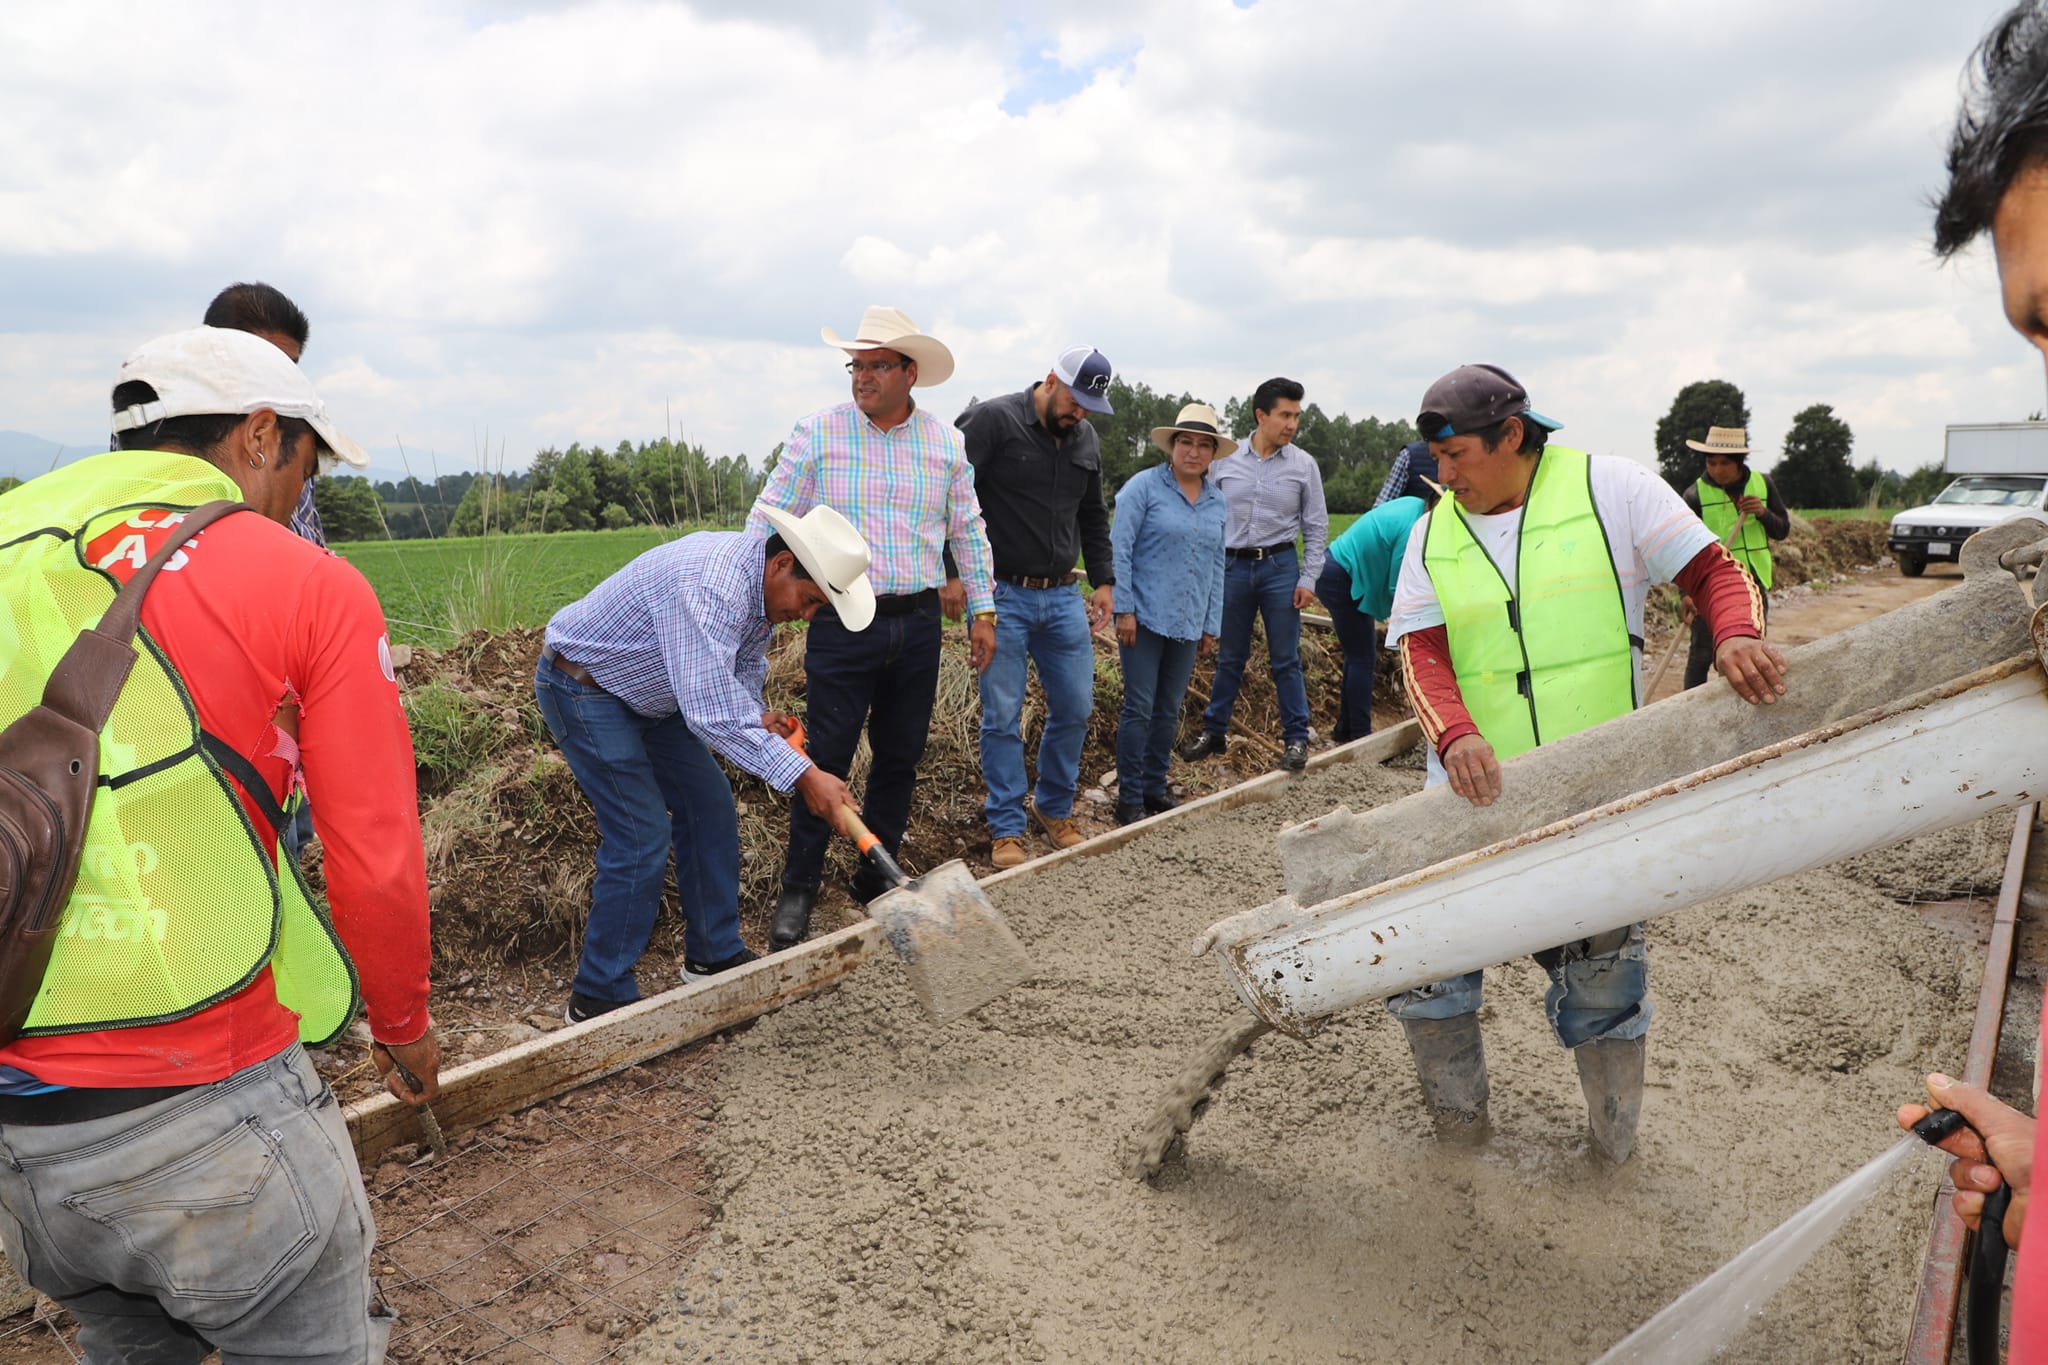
[1987,1253]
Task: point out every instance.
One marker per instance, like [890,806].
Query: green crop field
[435,590]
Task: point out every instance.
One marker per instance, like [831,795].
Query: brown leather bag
[49,772]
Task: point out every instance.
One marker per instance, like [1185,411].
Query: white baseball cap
[220,372]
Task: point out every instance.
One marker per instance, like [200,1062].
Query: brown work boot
[1061,829]
[1008,852]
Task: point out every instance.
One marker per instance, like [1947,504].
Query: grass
[434,591]
[1884,514]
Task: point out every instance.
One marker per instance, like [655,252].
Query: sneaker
[1295,756]
[1207,745]
[1130,812]
[581,1007]
[703,971]
[1159,805]
[1061,829]
[1008,852]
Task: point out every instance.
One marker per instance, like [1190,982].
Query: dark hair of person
[196,435]
[1534,437]
[258,308]
[1272,391]
[2002,129]
[777,545]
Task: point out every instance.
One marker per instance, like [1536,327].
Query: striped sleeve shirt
[683,628]
[909,491]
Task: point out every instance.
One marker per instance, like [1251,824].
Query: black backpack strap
[237,766]
[88,679]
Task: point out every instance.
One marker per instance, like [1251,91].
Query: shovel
[951,940]
[953,943]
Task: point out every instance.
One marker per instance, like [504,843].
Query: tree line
[1814,468]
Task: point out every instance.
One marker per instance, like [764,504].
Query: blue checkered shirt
[1396,482]
[306,519]
[683,628]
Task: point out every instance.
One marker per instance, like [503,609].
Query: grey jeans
[229,1216]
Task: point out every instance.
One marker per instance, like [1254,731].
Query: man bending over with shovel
[1519,617]
[662,659]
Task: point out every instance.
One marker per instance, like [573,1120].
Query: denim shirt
[1169,555]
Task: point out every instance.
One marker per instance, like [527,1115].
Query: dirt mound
[511,841]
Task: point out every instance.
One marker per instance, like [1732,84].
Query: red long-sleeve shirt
[254,618]
[1726,596]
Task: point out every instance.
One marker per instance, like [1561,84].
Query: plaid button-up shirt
[909,491]
[683,628]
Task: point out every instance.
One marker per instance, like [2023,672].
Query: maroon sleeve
[356,751]
[1727,597]
[1433,687]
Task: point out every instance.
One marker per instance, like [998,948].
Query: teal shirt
[1370,551]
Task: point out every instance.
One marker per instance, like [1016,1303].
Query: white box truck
[1999,470]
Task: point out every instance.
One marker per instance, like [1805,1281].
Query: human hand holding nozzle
[1993,1144]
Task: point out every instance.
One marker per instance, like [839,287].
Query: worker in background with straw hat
[1742,508]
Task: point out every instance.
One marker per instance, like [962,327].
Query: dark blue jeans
[1049,625]
[1361,646]
[653,786]
[1262,588]
[1156,671]
[883,678]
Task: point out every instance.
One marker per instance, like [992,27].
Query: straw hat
[835,556]
[1723,441]
[1200,419]
[890,329]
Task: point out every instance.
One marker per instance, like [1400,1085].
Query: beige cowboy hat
[1723,441]
[1201,419]
[836,557]
[885,328]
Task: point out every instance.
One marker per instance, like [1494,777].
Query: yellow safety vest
[1752,548]
[1554,656]
[177,905]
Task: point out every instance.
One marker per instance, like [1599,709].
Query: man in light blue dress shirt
[1274,494]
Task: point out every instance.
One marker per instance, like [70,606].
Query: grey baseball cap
[1473,397]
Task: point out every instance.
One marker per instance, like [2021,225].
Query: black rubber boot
[1611,1074]
[1450,1060]
[792,922]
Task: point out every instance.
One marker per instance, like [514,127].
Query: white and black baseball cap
[220,372]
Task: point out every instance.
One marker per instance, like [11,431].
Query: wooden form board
[491,1087]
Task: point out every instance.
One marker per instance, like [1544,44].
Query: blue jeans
[652,785]
[883,678]
[1051,626]
[1361,646]
[230,1215]
[1599,988]
[1262,588]
[1156,671]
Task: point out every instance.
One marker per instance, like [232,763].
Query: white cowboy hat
[1200,419]
[889,329]
[835,556]
[1723,441]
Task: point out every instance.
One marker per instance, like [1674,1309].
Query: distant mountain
[24,456]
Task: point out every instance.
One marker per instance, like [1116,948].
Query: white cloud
[557,222]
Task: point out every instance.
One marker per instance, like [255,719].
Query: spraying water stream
[1703,1320]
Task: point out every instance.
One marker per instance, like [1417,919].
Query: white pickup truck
[2001,471]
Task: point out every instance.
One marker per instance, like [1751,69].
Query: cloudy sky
[536,223]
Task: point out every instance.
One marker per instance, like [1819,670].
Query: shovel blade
[955,947]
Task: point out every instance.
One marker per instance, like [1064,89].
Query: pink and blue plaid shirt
[909,491]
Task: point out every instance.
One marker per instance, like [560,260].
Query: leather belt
[1260,551]
[565,667]
[904,603]
[81,1105]
[1065,580]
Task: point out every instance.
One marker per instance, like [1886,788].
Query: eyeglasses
[874,366]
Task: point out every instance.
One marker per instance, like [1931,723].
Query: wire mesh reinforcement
[550,1235]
